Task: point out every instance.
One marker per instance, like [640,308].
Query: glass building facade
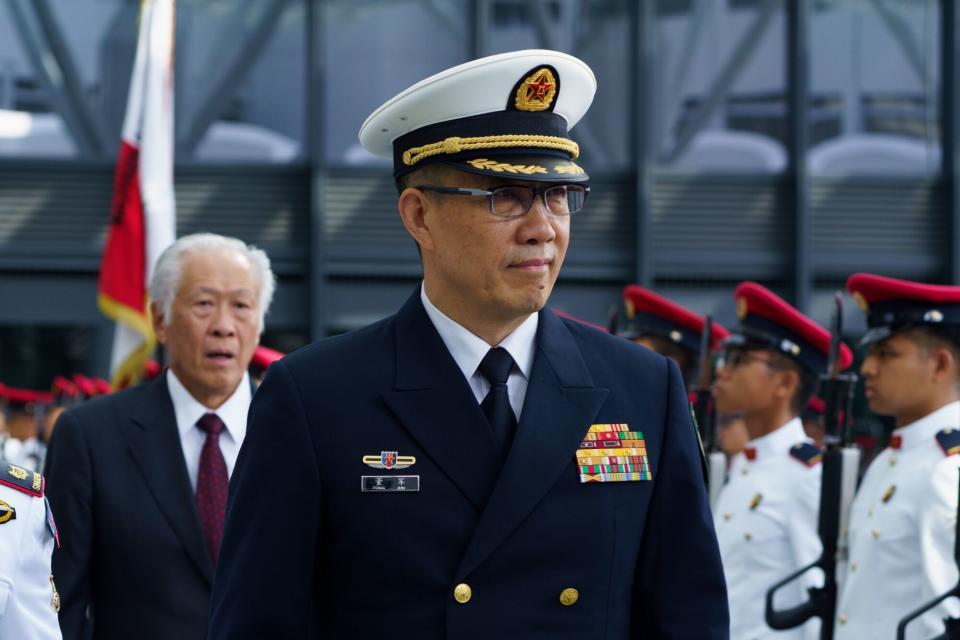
[786,141]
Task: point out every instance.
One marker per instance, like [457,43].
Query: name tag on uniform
[613,453]
[390,484]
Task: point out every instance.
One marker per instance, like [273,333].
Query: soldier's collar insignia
[7,513]
[389,460]
[537,90]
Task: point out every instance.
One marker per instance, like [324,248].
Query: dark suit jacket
[307,555]
[132,549]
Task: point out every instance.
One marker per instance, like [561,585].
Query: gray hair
[165,281]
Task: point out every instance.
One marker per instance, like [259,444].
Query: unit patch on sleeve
[613,453]
[949,441]
[808,454]
[23,480]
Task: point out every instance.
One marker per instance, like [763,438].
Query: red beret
[895,305]
[263,357]
[85,384]
[25,397]
[768,321]
[63,388]
[816,406]
[103,387]
[651,313]
[151,369]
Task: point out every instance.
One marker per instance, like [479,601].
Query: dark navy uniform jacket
[306,554]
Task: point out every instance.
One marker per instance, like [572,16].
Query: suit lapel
[434,403]
[560,404]
[154,443]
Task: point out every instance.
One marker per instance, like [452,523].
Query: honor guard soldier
[666,327]
[474,466]
[29,601]
[902,522]
[766,515]
[23,446]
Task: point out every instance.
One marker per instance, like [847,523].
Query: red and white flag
[143,212]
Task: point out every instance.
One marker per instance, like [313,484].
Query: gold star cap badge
[536,91]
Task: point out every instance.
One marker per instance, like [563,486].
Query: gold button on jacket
[462,593]
[569,596]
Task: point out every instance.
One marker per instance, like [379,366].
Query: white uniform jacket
[902,532]
[28,596]
[766,520]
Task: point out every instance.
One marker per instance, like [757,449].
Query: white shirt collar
[469,349]
[924,429]
[779,442]
[188,410]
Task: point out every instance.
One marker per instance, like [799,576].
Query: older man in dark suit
[138,479]
[474,466]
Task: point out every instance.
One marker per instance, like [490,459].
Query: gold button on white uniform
[876,534]
[462,593]
[569,596]
[842,619]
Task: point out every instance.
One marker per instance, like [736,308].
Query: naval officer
[474,466]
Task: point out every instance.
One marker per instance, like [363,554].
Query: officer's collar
[924,429]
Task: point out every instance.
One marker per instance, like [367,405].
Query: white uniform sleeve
[937,524]
[804,539]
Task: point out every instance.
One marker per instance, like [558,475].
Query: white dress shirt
[766,520]
[188,411]
[468,350]
[902,532]
[27,608]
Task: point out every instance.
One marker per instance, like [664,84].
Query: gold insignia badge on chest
[389,460]
[888,494]
[7,513]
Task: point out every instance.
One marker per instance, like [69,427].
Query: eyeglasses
[737,357]
[515,201]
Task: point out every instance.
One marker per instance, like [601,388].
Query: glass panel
[240,78]
[29,122]
[256,49]
[376,49]
[875,76]
[720,88]
[598,32]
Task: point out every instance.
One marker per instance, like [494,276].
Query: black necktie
[495,367]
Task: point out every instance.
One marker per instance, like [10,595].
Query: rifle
[705,413]
[952,625]
[613,320]
[840,466]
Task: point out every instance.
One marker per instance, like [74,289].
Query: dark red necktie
[212,484]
